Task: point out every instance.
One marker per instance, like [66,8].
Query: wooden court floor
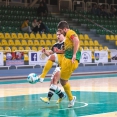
[96,97]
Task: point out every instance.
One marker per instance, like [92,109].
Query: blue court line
[72,78]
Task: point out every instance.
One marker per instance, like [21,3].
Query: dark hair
[27,19]
[62,25]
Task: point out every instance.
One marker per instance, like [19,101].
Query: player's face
[62,31]
[60,36]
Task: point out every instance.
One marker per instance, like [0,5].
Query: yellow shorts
[67,68]
[60,57]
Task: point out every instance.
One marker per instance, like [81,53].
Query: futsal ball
[32,78]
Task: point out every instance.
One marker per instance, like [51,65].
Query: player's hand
[55,49]
[43,50]
[73,58]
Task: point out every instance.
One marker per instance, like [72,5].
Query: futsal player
[70,60]
[56,55]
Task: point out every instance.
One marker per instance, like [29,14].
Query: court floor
[96,97]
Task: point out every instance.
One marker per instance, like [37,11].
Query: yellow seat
[11,42]
[91,43]
[112,37]
[54,36]
[26,36]
[47,48]
[34,48]
[21,49]
[86,37]
[38,36]
[50,36]
[91,48]
[2,36]
[17,43]
[13,36]
[96,48]
[30,43]
[24,42]
[1,49]
[81,37]
[53,42]
[48,43]
[4,42]
[81,49]
[26,58]
[42,43]
[85,48]
[20,36]
[36,43]
[86,43]
[106,48]
[7,49]
[116,37]
[13,49]
[44,36]
[101,48]
[96,43]
[109,56]
[81,43]
[28,48]
[7,36]
[32,36]
[39,48]
[107,37]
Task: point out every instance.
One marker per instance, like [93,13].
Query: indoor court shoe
[41,79]
[45,99]
[60,99]
[71,103]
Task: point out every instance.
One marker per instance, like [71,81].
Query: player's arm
[75,41]
[58,51]
[47,52]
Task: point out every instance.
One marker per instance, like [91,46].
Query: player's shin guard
[51,91]
[59,92]
[68,91]
[47,67]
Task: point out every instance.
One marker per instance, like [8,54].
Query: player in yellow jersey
[56,54]
[70,60]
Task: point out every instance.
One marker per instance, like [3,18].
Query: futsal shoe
[45,99]
[41,79]
[60,99]
[71,103]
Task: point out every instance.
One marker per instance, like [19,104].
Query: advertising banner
[14,58]
[1,59]
[86,57]
[101,56]
[114,56]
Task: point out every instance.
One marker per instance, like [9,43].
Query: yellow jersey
[68,45]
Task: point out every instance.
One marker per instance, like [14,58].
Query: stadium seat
[86,43]
[116,37]
[24,42]
[26,57]
[91,48]
[96,48]
[91,43]
[44,36]
[112,37]
[11,42]
[21,48]
[48,43]
[53,42]
[13,49]
[32,36]
[85,48]
[34,48]
[107,37]
[36,43]
[96,43]
[86,37]
[4,42]
[42,43]
[30,43]
[39,48]
[49,36]
[13,36]
[54,36]
[2,36]
[101,48]
[26,36]
[7,49]
[47,48]
[20,36]
[7,36]
[17,43]
[38,36]
[81,37]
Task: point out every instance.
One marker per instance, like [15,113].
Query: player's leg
[67,68]
[54,88]
[48,66]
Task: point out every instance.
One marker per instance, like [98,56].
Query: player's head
[63,27]
[60,36]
